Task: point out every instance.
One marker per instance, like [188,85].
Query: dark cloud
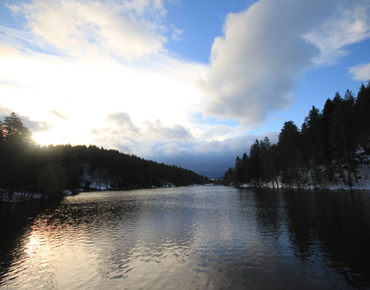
[210,156]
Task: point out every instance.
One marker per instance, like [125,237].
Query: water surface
[207,237]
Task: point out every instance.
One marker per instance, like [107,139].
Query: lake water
[206,237]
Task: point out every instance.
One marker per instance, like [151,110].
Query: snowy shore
[359,182]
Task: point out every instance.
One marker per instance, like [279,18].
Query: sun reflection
[33,244]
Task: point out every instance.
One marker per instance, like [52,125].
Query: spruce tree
[362,111]
[342,137]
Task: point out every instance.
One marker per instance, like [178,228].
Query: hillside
[28,169]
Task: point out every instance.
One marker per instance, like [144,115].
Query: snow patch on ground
[362,182]
[17,197]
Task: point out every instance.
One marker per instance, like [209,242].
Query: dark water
[189,238]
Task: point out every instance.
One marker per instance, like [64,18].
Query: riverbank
[20,197]
[307,181]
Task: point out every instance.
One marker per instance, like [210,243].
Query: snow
[363,181]
[18,197]
[66,192]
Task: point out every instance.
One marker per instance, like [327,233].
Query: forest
[332,145]
[27,168]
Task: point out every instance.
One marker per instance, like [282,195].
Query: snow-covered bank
[18,197]
[359,182]
[90,184]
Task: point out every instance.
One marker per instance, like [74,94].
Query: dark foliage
[336,140]
[27,168]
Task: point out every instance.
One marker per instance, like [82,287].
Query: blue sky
[191,83]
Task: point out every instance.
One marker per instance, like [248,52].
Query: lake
[206,237]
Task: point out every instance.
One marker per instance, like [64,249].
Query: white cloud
[172,149]
[360,72]
[347,22]
[93,26]
[156,131]
[122,120]
[215,132]
[35,126]
[256,66]
[164,90]
[176,34]
[8,51]
[58,115]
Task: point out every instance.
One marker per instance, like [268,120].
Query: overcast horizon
[190,83]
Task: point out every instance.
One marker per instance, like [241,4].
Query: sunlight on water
[192,238]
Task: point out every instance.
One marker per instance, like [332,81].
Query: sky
[184,82]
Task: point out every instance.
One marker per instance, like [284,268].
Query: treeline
[28,168]
[330,145]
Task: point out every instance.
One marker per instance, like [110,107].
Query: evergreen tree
[2,134]
[14,165]
[16,134]
[362,111]
[238,171]
[267,162]
[246,169]
[342,138]
[229,176]
[27,168]
[313,144]
[330,139]
[326,122]
[290,150]
[255,160]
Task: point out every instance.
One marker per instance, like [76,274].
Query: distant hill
[212,174]
[28,169]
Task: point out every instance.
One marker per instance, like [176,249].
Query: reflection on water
[189,238]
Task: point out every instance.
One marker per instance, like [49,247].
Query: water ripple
[193,238]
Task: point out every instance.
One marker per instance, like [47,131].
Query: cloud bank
[96,27]
[256,66]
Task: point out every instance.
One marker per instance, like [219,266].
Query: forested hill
[332,148]
[28,168]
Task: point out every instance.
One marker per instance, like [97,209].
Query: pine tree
[245,169]
[313,142]
[239,171]
[254,159]
[342,138]
[326,122]
[291,154]
[16,134]
[266,161]
[362,111]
